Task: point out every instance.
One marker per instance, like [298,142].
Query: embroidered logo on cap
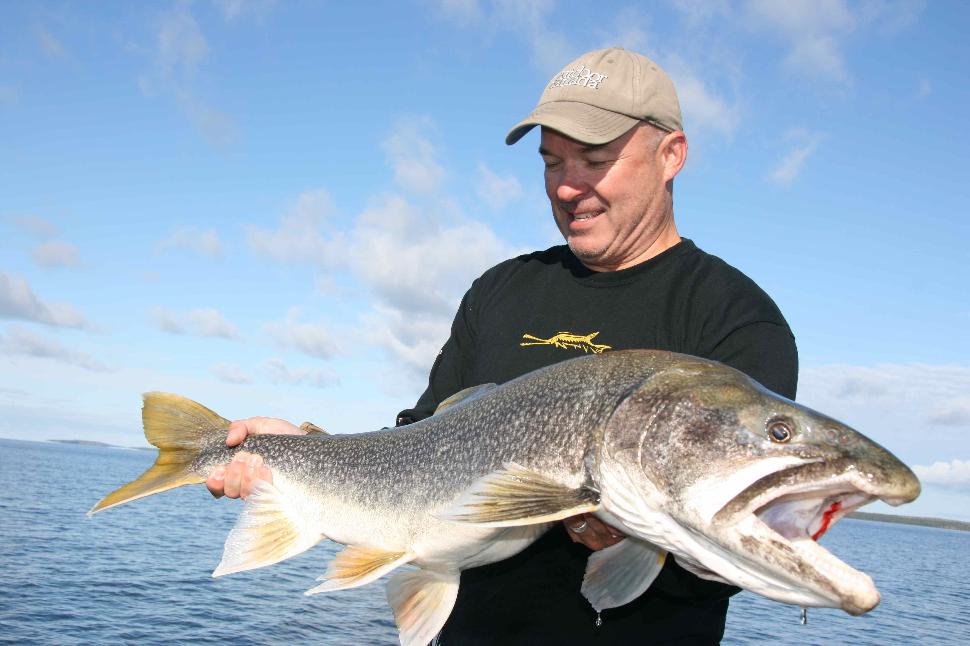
[582,75]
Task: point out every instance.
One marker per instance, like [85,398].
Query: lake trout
[687,456]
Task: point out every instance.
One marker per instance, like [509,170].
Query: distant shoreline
[101,444]
[922,521]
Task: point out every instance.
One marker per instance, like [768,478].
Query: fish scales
[684,455]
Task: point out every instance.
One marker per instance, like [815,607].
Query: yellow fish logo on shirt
[567,340]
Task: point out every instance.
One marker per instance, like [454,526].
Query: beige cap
[601,95]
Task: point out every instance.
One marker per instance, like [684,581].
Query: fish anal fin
[268,531]
[621,572]
[515,496]
[355,566]
[463,395]
[421,600]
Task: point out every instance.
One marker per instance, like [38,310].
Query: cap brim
[580,121]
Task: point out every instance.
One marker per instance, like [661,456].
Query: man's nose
[570,184]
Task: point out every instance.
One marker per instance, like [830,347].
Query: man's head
[612,142]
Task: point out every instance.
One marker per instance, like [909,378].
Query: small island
[85,443]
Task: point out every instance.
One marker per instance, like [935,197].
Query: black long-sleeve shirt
[545,307]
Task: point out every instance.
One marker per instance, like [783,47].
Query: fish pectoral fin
[516,496]
[268,531]
[622,572]
[355,566]
[463,395]
[421,600]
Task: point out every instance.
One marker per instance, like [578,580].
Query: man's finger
[216,482]
[237,433]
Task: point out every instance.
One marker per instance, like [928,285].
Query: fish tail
[179,427]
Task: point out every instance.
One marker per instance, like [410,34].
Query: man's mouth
[585,215]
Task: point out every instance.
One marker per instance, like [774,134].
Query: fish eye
[779,431]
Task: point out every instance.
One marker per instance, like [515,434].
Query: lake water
[139,574]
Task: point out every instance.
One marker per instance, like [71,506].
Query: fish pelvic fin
[621,572]
[421,600]
[514,496]
[355,566]
[177,426]
[268,530]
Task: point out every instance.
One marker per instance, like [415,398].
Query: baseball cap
[601,95]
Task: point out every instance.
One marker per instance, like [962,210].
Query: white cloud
[310,338]
[205,243]
[628,31]
[813,30]
[181,46]
[56,253]
[412,339]
[180,50]
[910,408]
[204,322]
[231,373]
[924,89]
[420,273]
[299,237]
[413,157]
[528,20]
[697,12]
[35,226]
[21,342]
[890,17]
[792,164]
[703,108]
[955,473]
[50,45]
[278,372]
[496,191]
[209,322]
[18,301]
[955,412]
[166,321]
[233,10]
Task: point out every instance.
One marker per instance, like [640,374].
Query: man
[612,143]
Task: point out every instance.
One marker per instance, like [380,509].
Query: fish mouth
[782,516]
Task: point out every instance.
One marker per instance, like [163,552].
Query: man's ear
[673,154]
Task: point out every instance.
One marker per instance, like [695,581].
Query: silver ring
[580,528]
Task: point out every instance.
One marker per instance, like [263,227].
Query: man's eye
[598,163]
[550,163]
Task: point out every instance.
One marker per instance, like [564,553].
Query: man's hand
[236,479]
[592,532]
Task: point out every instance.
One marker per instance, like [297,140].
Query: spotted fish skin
[676,451]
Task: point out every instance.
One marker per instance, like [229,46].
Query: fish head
[741,482]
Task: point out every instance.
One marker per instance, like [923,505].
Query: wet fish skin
[670,448]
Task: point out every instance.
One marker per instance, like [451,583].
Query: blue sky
[274,207]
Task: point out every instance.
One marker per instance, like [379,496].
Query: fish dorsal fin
[356,565]
[421,601]
[268,531]
[463,395]
[515,496]
[622,572]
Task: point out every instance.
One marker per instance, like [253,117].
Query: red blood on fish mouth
[827,520]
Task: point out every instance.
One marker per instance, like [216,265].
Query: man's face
[609,201]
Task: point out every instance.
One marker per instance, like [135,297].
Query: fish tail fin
[179,428]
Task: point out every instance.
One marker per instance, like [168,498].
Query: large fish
[687,456]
